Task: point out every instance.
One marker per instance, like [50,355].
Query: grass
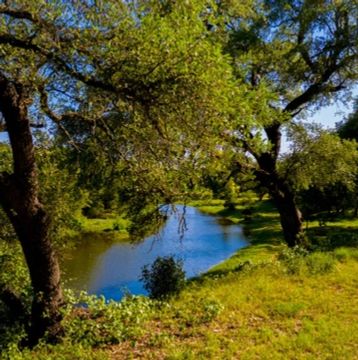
[111,227]
[252,307]
[104,224]
[265,302]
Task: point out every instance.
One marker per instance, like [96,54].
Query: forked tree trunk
[20,200]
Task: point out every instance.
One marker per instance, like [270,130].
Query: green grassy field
[265,302]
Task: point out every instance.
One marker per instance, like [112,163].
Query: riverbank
[265,302]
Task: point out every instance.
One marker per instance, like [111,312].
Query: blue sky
[330,115]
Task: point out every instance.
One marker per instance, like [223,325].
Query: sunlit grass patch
[100,225]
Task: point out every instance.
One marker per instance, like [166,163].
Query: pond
[113,269]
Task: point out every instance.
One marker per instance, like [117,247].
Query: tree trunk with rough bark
[290,217]
[280,192]
[19,197]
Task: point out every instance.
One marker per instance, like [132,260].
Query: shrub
[319,263]
[293,259]
[212,308]
[164,278]
[98,322]
[299,261]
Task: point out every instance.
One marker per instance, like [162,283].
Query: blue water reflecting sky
[115,269]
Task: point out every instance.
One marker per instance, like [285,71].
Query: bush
[293,259]
[164,278]
[88,321]
[320,263]
[98,322]
[299,261]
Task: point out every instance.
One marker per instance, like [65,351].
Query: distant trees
[334,171]
[322,169]
[348,128]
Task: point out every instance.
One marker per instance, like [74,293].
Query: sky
[330,115]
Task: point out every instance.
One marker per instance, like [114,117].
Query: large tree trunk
[280,192]
[290,217]
[20,200]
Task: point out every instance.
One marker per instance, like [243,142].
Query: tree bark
[290,217]
[283,198]
[19,197]
[280,192]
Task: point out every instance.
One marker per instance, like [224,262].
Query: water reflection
[110,269]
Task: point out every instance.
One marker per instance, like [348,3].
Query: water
[112,269]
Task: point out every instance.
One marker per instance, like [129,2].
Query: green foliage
[88,322]
[164,278]
[343,254]
[230,194]
[348,128]
[5,157]
[13,271]
[252,300]
[6,230]
[92,321]
[59,189]
[293,259]
[319,159]
[13,276]
[320,263]
[328,202]
[207,310]
[63,351]
[299,261]
[345,238]
[129,93]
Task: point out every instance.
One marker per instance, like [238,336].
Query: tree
[321,168]
[296,56]
[147,77]
[348,128]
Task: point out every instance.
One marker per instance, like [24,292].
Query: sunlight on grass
[251,307]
